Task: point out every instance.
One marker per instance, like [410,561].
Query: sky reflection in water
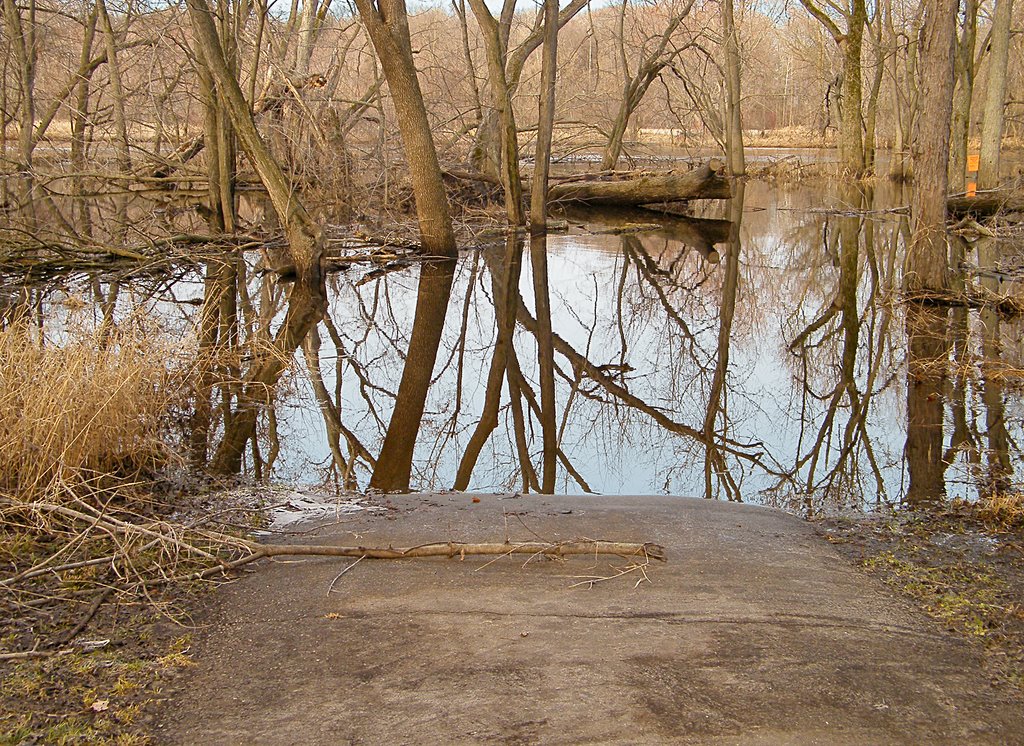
[815,392]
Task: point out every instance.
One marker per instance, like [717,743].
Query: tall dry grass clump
[81,416]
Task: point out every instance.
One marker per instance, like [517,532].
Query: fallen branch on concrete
[444,549]
[464,549]
[105,551]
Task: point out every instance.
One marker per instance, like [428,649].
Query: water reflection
[758,353]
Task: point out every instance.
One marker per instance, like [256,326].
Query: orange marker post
[973,164]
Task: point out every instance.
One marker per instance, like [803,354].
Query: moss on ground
[962,563]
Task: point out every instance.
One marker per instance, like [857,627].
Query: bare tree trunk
[733,120]
[486,150]
[505,284]
[871,116]
[635,85]
[308,297]
[995,97]
[387,23]
[79,123]
[21,33]
[394,465]
[851,137]
[714,461]
[927,261]
[850,42]
[963,93]
[539,249]
[903,46]
[926,334]
[999,474]
[495,42]
[117,97]
[460,10]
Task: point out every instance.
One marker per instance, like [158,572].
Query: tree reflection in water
[767,357]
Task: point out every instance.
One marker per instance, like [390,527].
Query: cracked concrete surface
[755,631]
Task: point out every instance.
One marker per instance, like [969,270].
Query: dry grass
[789,137]
[1002,510]
[80,416]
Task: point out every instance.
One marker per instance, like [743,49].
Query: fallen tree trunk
[641,188]
[623,188]
[986,203]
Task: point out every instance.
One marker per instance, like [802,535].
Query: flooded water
[759,353]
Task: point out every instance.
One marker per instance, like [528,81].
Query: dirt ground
[755,631]
[961,565]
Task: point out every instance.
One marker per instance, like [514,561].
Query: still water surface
[758,353]
[775,365]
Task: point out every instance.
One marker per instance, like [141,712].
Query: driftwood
[699,233]
[641,188]
[448,549]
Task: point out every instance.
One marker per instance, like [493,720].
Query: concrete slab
[754,632]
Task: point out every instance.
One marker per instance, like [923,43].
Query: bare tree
[656,53]
[387,23]
[995,97]
[850,39]
[962,95]
[927,262]
[733,97]
[308,297]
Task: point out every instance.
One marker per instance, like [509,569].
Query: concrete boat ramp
[754,632]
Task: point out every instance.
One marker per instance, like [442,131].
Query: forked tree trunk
[962,95]
[308,297]
[495,36]
[635,85]
[486,153]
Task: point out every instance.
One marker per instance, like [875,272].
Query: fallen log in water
[986,203]
[624,188]
[629,189]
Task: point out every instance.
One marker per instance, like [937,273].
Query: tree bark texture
[927,261]
[995,96]
[643,188]
[387,24]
